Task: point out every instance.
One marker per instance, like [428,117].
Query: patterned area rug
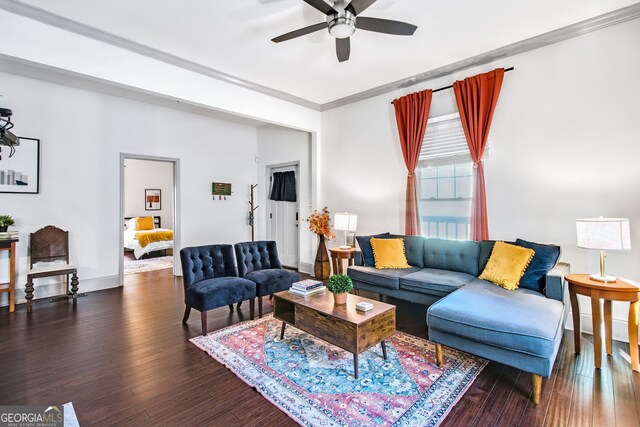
[312,381]
[150,264]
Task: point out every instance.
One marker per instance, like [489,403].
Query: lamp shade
[604,233]
[345,221]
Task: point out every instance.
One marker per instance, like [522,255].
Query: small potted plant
[340,285]
[5,222]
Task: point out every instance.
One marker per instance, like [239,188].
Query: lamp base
[604,278]
[345,247]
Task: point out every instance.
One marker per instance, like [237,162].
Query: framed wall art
[152,200]
[20,173]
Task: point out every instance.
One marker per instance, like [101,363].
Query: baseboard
[48,290]
[619,327]
[305,267]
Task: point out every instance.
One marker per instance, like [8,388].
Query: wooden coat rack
[251,213]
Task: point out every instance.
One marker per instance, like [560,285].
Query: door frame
[269,169]
[176,207]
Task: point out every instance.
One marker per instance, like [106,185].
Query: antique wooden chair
[47,245]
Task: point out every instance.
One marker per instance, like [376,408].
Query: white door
[283,222]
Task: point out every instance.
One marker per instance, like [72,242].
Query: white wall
[82,135]
[564,146]
[279,146]
[140,175]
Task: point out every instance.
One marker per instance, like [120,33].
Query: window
[445,179]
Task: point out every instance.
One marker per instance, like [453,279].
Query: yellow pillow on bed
[389,253]
[507,264]
[144,223]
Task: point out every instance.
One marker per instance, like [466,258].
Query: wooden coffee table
[341,325]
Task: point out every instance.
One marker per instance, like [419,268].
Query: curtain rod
[451,86]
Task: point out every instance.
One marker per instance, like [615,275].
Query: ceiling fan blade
[360,6]
[386,26]
[301,32]
[321,6]
[343,49]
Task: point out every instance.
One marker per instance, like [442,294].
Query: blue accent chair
[211,281]
[259,262]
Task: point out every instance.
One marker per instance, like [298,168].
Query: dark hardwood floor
[122,357]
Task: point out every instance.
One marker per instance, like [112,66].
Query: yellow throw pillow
[507,264]
[144,223]
[389,253]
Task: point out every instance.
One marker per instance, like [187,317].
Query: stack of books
[307,287]
[8,235]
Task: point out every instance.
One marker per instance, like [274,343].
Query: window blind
[444,142]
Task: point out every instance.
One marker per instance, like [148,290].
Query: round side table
[608,291]
[337,255]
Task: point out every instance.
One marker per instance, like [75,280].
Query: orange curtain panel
[412,112]
[477,98]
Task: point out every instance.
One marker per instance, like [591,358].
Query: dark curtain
[284,187]
[477,98]
[412,112]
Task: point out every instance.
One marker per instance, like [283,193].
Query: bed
[143,242]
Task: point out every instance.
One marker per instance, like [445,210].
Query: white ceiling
[233,36]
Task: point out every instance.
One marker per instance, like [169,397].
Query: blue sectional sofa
[521,328]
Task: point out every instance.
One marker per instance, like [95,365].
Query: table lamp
[345,222]
[603,234]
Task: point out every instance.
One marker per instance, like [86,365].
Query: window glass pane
[446,171]
[463,169]
[445,188]
[428,188]
[445,200]
[463,187]
[429,172]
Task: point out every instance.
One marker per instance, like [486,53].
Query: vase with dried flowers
[320,224]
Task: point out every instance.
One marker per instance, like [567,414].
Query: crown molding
[574,30]
[46,17]
[24,68]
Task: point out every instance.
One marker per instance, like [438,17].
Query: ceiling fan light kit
[342,22]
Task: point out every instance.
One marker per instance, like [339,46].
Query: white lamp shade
[345,221]
[604,233]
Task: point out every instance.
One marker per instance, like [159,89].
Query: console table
[608,291]
[10,287]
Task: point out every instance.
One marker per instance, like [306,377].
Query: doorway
[283,219]
[149,222]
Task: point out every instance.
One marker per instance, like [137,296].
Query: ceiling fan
[342,21]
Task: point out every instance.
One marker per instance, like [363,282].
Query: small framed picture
[152,200]
[20,167]
[351,239]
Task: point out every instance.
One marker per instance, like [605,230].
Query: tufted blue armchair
[211,280]
[258,262]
